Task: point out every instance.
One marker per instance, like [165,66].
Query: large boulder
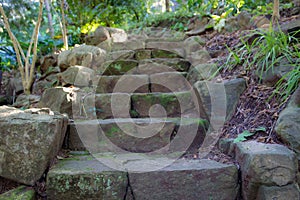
[265,164]
[77,75]
[29,141]
[14,88]
[288,123]
[195,179]
[84,55]
[48,61]
[102,34]
[220,98]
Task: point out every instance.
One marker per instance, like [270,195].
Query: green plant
[288,83]
[266,51]
[245,134]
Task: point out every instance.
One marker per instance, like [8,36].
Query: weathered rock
[84,55]
[159,65]
[142,54]
[261,21]
[83,177]
[166,49]
[295,99]
[124,83]
[240,22]
[48,61]
[99,35]
[271,76]
[127,45]
[214,95]
[30,139]
[288,128]
[105,33]
[281,193]
[162,34]
[113,105]
[119,67]
[19,193]
[199,26]
[14,88]
[169,82]
[291,27]
[163,104]
[26,101]
[201,72]
[58,99]
[138,135]
[193,44]
[198,57]
[78,76]
[187,180]
[47,81]
[86,104]
[265,164]
[117,34]
[120,55]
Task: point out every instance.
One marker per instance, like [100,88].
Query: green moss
[166,99]
[120,67]
[111,132]
[134,114]
[157,53]
[20,193]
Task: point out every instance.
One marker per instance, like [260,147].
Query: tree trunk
[167,2]
[64,26]
[49,15]
[276,14]
[27,70]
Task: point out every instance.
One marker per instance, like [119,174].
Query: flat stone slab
[173,104]
[29,140]
[84,177]
[118,67]
[124,84]
[166,49]
[187,179]
[265,164]
[137,135]
[169,82]
[108,105]
[159,65]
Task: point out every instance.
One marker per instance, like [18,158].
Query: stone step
[158,65]
[88,105]
[84,177]
[137,135]
[160,82]
[142,66]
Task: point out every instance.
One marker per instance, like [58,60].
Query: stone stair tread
[88,177]
[181,120]
[173,81]
[137,134]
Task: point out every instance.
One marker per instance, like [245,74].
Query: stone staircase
[131,122]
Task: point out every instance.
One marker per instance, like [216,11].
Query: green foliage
[267,50]
[245,134]
[291,80]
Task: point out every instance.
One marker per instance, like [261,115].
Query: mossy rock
[120,67]
[158,53]
[19,193]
